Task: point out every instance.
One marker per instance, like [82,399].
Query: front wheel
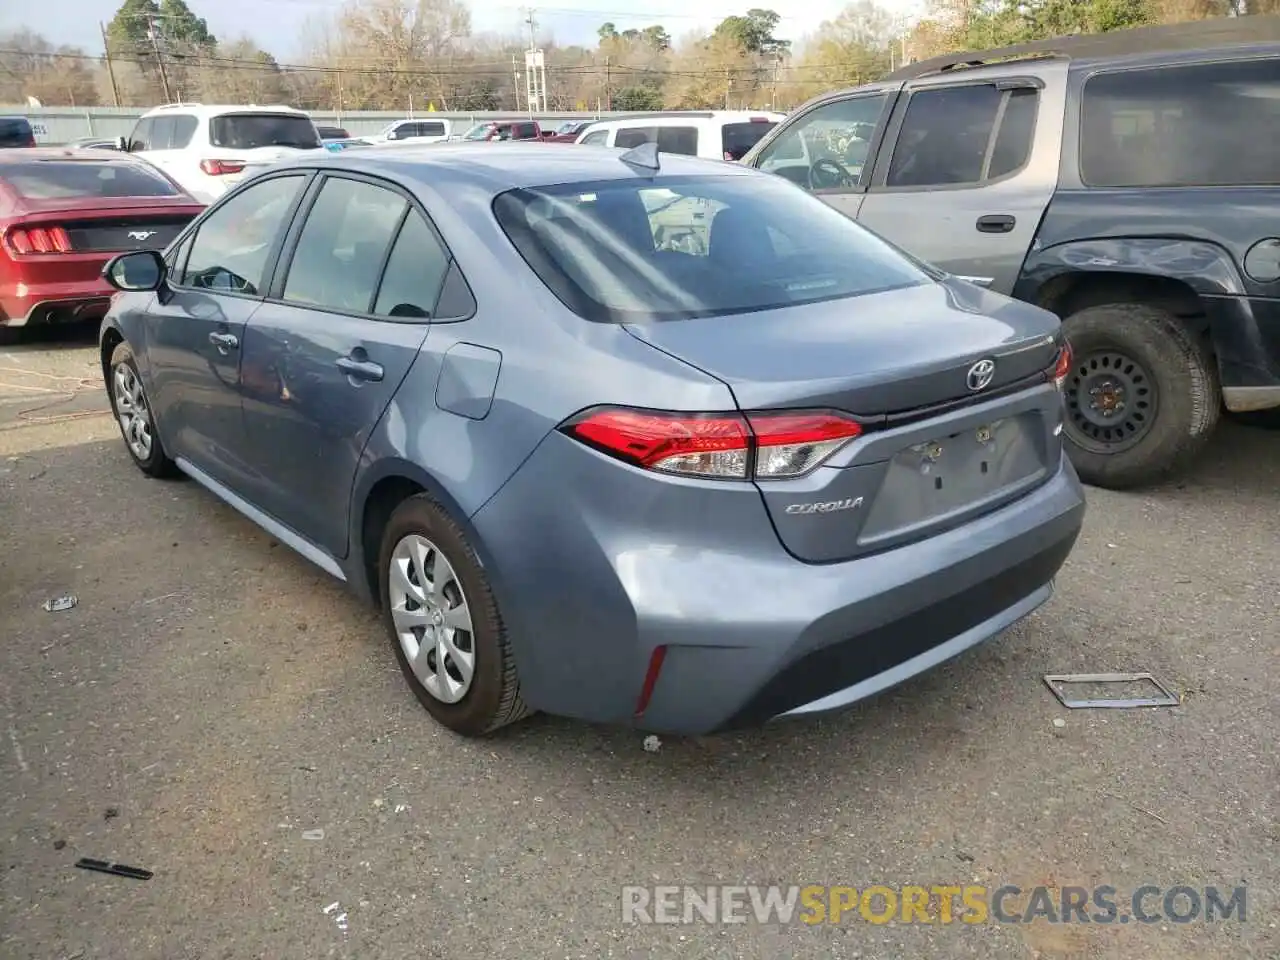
[1142,396]
[448,635]
[133,413]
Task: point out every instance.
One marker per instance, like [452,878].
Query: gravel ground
[212,696]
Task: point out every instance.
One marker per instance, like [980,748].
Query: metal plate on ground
[1060,685]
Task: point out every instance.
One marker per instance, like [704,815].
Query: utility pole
[515,79]
[155,45]
[728,88]
[339,110]
[608,83]
[773,94]
[111,71]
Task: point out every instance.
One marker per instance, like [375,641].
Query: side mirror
[122,144]
[393,135]
[135,272]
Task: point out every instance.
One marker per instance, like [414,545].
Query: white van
[209,149]
[712,134]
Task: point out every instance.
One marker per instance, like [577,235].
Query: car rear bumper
[593,573]
[40,303]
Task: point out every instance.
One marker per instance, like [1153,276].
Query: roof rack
[1166,38]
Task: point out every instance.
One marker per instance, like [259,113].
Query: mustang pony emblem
[141,234]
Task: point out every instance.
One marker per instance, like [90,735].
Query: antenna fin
[644,156]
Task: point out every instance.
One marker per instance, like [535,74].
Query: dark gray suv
[1126,181]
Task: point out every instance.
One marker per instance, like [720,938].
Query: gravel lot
[212,696]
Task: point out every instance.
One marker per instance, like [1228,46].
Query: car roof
[494,168]
[217,109]
[666,117]
[66,153]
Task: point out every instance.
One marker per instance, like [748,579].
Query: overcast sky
[278,32]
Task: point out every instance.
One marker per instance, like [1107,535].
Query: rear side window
[634,136]
[433,128]
[342,246]
[643,251]
[246,131]
[415,270]
[737,138]
[58,179]
[946,133]
[184,128]
[15,132]
[678,140]
[1210,124]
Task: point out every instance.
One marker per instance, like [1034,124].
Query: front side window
[946,132]
[232,246]
[596,138]
[639,251]
[162,133]
[248,131]
[1207,124]
[65,179]
[479,132]
[433,128]
[828,147]
[342,246]
[140,139]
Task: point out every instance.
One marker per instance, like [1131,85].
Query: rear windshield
[333,133]
[59,179]
[14,132]
[637,251]
[741,137]
[244,131]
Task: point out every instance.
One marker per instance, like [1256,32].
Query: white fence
[55,125]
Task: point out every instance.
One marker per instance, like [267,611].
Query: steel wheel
[132,411]
[432,618]
[1112,402]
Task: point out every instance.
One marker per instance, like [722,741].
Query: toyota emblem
[980,375]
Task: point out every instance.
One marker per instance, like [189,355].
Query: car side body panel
[1198,237]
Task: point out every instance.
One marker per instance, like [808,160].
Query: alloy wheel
[132,412]
[432,618]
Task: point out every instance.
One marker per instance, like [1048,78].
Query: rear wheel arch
[392,484]
[111,338]
[1069,293]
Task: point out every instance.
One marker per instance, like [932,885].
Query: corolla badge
[141,234]
[826,506]
[980,375]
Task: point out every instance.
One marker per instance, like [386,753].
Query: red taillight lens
[764,446]
[1062,366]
[220,168]
[27,240]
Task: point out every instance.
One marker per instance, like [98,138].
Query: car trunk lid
[939,446]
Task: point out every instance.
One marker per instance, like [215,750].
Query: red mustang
[63,214]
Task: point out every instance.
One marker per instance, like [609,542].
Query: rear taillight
[27,240]
[761,446]
[1062,366]
[220,168]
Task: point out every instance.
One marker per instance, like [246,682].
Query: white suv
[713,134]
[209,149]
[415,131]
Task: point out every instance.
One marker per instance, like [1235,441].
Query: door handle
[996,223]
[360,369]
[224,341]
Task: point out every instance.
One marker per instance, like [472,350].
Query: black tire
[1179,381]
[493,700]
[157,464]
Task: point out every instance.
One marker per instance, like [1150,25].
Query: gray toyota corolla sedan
[633,438]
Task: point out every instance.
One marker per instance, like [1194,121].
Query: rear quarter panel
[545,365]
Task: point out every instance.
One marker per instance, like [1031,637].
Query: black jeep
[1128,181]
